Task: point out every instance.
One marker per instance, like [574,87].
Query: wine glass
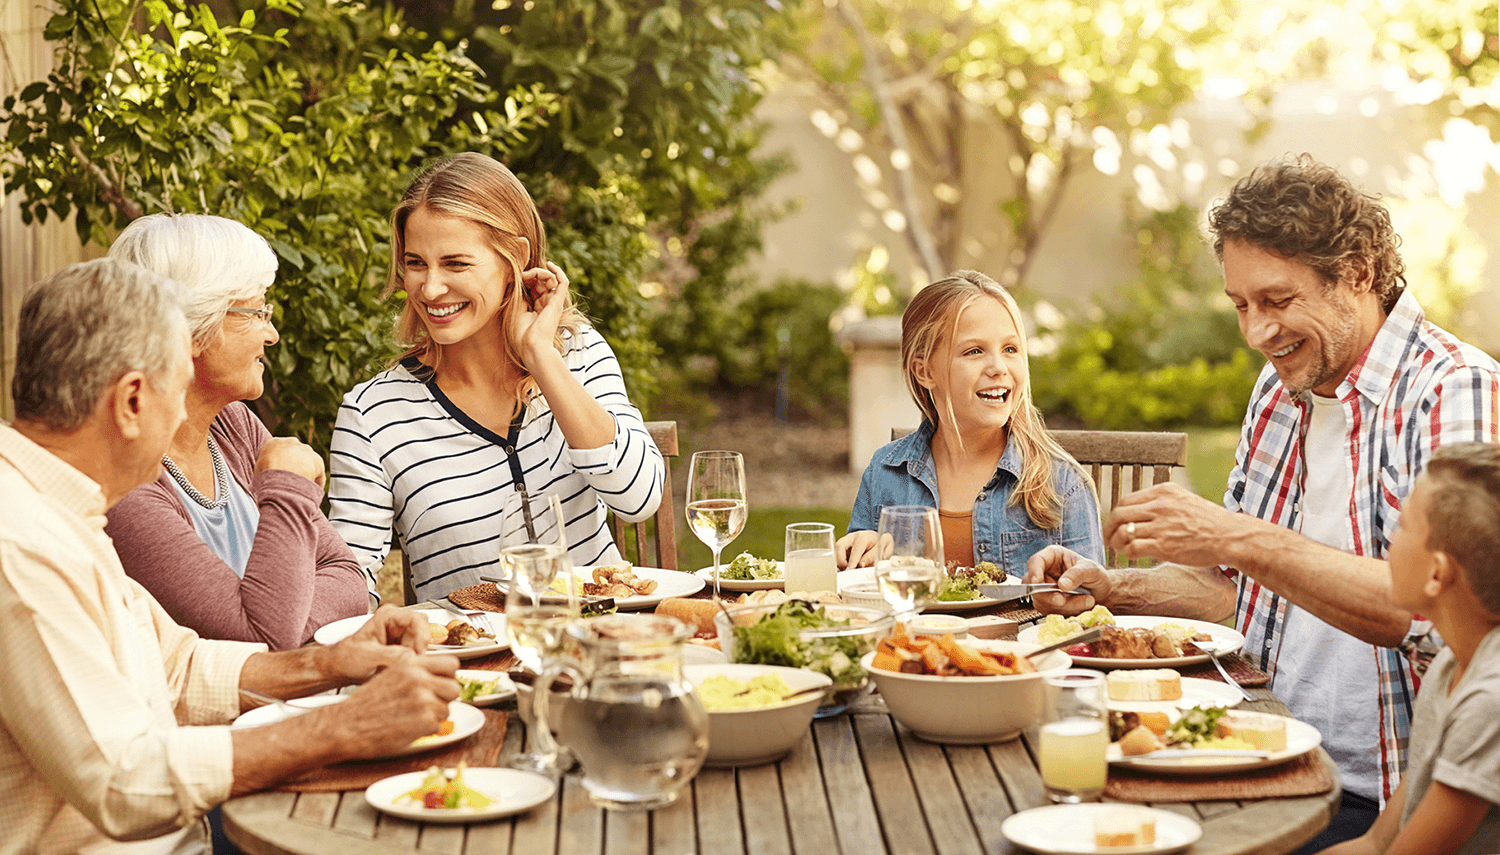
[909,557]
[716,508]
[534,556]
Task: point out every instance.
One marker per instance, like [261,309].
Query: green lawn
[764,535]
[1210,456]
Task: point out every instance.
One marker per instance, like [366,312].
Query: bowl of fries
[972,692]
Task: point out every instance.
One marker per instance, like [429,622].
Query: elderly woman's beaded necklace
[221,479]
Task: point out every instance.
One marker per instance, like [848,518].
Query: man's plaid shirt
[1416,388]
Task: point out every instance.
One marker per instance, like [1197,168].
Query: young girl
[502,382]
[1002,486]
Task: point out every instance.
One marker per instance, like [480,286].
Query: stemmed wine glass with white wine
[909,557]
[541,598]
[716,509]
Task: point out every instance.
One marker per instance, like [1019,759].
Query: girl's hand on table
[856,549]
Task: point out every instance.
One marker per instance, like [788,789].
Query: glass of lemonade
[809,564]
[909,557]
[1074,736]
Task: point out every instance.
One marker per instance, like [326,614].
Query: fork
[477,617]
[1214,649]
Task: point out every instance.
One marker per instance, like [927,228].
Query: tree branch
[107,187]
[916,227]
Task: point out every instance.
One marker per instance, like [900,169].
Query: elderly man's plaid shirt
[1416,388]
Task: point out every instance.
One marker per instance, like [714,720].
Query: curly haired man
[1358,391]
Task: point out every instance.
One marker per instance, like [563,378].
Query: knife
[1015,591]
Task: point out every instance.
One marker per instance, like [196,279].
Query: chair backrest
[1115,457]
[660,531]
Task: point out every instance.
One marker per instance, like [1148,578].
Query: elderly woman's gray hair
[218,260]
[85,327]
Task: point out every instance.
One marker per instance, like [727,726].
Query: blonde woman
[1002,486]
[503,383]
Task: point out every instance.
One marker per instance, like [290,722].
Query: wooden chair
[1113,457]
[660,531]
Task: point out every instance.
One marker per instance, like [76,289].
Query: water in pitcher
[639,741]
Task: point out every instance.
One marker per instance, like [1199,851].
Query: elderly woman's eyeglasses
[263,314]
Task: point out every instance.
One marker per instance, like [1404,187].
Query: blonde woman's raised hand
[546,291]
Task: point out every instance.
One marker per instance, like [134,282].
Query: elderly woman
[230,538]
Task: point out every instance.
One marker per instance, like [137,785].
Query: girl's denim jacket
[902,473]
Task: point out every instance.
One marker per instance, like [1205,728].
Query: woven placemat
[484,597]
[481,749]
[1238,667]
[1307,775]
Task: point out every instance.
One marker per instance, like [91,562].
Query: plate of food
[746,573]
[960,591]
[463,721]
[484,688]
[1134,641]
[1210,741]
[460,794]
[1086,829]
[630,587]
[464,639]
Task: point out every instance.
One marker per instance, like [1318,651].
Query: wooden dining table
[858,784]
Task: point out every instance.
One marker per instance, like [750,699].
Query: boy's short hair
[1463,519]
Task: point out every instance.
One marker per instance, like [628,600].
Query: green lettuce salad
[775,640]
[747,568]
[963,583]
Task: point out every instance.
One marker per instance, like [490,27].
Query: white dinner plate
[1069,830]
[1300,739]
[339,630]
[466,721]
[742,585]
[1195,693]
[865,574]
[503,690]
[669,583]
[1218,632]
[513,790]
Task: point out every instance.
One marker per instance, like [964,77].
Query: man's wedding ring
[1129,532]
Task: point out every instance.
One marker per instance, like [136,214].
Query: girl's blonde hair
[477,188]
[932,318]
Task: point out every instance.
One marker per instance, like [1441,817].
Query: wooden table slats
[857,784]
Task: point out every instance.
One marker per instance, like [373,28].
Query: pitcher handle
[541,701]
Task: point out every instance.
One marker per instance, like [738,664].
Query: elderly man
[1358,391]
[111,715]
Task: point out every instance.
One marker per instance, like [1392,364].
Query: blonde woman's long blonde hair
[932,319]
[477,188]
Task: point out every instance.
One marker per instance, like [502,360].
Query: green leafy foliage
[308,148]
[1165,351]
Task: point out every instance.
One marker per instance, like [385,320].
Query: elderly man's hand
[1069,570]
[392,635]
[406,700]
[1168,523]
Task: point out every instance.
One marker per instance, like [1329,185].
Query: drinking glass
[537,613]
[1074,736]
[909,557]
[716,508]
[809,564]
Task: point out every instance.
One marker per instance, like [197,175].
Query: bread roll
[1265,732]
[1121,827]
[1139,740]
[698,614]
[1160,684]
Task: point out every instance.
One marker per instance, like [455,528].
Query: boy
[1445,564]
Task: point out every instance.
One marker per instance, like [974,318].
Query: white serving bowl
[752,735]
[866,627]
[968,710]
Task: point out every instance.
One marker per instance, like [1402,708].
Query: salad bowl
[828,639]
